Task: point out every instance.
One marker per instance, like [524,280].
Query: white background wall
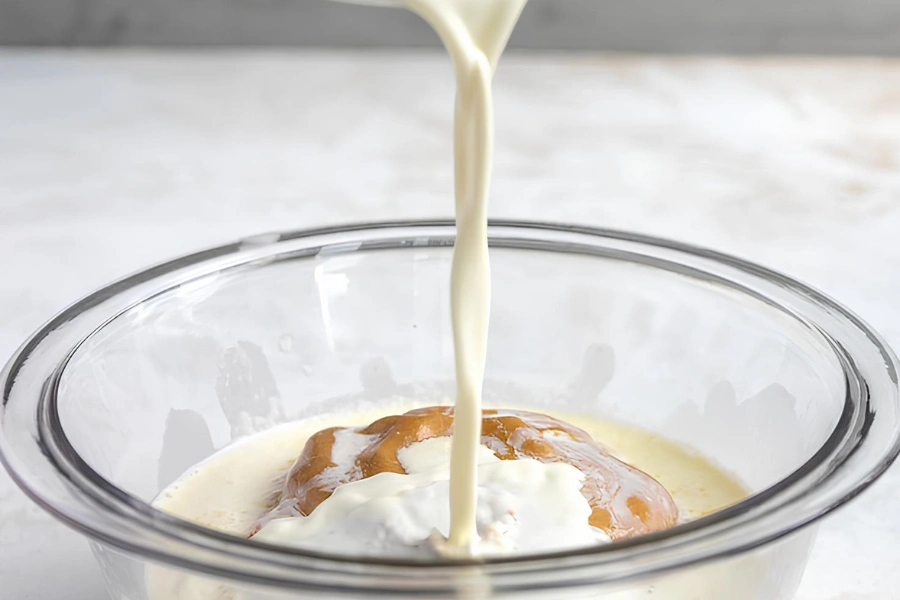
[735,26]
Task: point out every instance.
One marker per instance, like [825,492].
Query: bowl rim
[129,524]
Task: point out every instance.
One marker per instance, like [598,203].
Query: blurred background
[684,26]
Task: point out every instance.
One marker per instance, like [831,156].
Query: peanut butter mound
[625,501]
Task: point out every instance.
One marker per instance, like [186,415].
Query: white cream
[524,506]
[475,33]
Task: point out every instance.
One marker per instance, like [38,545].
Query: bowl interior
[593,331]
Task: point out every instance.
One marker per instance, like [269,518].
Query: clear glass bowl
[115,397]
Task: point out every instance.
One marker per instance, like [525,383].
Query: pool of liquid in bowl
[233,488]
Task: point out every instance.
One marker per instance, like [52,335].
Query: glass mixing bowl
[122,392]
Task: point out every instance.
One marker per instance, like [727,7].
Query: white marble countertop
[110,161]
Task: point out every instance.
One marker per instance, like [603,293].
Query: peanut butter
[624,500]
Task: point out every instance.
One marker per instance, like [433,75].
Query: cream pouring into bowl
[799,398]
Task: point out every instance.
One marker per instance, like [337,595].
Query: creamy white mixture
[235,487]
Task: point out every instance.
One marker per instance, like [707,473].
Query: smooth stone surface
[113,161]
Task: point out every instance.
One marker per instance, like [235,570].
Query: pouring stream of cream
[475,33]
